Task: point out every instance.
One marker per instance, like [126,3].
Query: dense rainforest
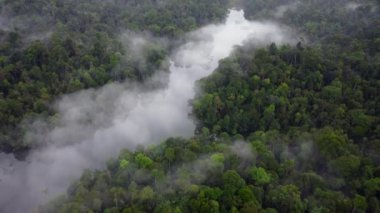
[280,128]
[50,48]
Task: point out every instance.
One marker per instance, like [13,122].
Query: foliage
[310,112]
[50,48]
[267,184]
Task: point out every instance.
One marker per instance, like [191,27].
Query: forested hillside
[50,48]
[317,171]
[319,19]
[279,128]
[294,89]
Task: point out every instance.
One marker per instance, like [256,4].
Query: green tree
[259,175]
[143,161]
[286,198]
[118,194]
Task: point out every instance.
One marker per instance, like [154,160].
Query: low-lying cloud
[282,9]
[93,125]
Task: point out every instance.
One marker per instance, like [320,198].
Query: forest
[279,128]
[75,46]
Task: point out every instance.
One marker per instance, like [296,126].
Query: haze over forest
[189,106]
